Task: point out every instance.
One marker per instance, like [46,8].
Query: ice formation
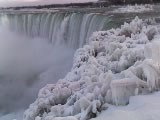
[134,9]
[116,64]
[141,107]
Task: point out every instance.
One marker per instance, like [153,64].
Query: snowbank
[116,64]
[144,107]
[134,9]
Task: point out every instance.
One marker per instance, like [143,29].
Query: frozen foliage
[116,64]
[134,9]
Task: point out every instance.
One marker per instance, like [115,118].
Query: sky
[8,3]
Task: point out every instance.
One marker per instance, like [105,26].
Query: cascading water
[71,29]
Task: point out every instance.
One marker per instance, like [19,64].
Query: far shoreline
[101,3]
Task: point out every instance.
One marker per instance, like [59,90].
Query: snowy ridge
[116,64]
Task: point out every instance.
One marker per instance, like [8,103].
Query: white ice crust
[116,64]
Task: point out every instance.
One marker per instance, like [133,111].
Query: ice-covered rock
[115,65]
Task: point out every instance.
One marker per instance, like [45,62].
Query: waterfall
[37,49]
[71,29]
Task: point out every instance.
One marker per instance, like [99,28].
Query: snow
[116,65]
[134,9]
[144,107]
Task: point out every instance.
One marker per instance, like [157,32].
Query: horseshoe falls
[70,29]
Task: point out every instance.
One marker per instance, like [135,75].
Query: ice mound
[134,9]
[116,64]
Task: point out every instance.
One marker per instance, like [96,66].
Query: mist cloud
[26,65]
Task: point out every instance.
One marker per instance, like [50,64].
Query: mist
[26,65]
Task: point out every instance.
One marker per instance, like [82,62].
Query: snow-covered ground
[117,64]
[134,9]
[146,107]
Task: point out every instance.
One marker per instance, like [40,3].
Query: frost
[134,9]
[115,65]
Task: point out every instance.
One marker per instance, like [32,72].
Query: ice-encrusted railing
[116,64]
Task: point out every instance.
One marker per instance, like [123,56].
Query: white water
[71,29]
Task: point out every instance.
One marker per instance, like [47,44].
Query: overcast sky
[5,3]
